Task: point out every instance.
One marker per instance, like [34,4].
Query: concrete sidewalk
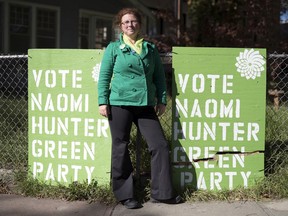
[15,205]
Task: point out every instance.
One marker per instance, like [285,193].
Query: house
[84,24]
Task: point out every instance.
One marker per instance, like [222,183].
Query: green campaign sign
[68,140]
[219,117]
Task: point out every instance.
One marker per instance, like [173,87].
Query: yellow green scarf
[137,46]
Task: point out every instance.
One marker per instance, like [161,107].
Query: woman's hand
[104,110]
[160,109]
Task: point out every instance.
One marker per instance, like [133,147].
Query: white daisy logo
[96,72]
[250,64]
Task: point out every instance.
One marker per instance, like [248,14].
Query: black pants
[146,120]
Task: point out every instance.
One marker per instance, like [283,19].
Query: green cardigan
[129,79]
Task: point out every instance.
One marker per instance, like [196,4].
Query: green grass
[13,133]
[92,192]
[273,186]
[14,155]
[276,126]
[276,138]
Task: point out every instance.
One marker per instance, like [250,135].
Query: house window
[46,28]
[103,33]
[20,28]
[28,26]
[1,27]
[84,32]
[95,30]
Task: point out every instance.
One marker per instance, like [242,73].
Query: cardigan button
[129,65]
[134,90]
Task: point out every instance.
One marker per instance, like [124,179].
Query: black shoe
[131,204]
[175,200]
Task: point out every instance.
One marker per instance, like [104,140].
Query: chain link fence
[277,112]
[14,113]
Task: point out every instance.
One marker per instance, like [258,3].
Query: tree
[236,23]
[284,5]
[227,23]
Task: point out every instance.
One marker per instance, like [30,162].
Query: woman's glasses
[133,22]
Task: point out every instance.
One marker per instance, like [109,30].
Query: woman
[132,88]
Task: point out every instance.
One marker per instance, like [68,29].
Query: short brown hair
[124,11]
